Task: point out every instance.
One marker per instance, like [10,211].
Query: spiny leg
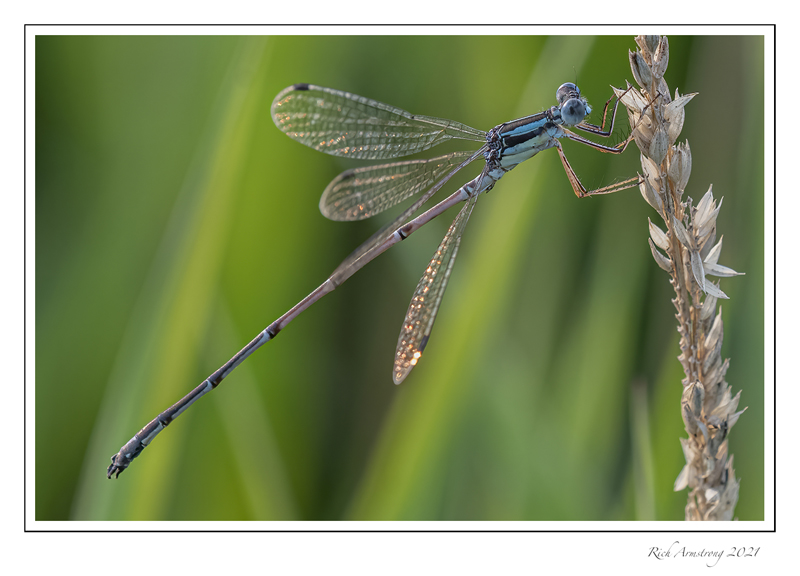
[580,190]
[616,149]
[591,128]
[600,130]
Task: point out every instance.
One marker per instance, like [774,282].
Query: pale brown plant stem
[689,255]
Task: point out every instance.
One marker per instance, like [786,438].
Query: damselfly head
[566,91]
[573,107]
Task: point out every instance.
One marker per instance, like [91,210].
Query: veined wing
[345,124]
[363,192]
[424,305]
[346,268]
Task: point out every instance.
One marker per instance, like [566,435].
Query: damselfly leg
[577,187]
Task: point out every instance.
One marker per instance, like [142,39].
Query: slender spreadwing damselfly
[344,124]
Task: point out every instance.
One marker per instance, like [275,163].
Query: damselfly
[348,125]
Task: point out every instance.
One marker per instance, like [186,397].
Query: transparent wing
[345,124]
[345,269]
[363,192]
[425,304]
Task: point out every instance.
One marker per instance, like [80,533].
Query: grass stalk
[688,253]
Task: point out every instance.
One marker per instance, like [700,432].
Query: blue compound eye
[566,91]
[573,111]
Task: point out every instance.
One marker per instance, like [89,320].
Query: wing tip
[400,373]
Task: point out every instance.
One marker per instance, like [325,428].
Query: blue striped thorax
[514,142]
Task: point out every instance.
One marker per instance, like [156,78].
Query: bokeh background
[174,222]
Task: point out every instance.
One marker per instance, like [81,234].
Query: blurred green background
[174,222]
